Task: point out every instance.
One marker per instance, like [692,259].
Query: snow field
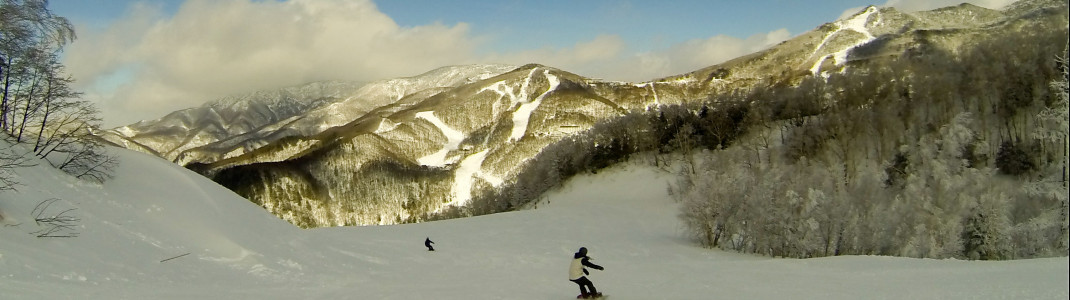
[154,210]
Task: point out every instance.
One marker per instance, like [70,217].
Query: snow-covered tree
[1054,119]
[899,163]
[1054,129]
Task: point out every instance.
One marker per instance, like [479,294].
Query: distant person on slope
[427,243]
[577,272]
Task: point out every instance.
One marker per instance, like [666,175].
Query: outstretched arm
[587,262]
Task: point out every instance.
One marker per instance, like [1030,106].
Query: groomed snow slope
[154,211]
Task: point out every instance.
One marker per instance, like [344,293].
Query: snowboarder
[427,243]
[577,272]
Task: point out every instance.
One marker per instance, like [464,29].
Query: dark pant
[584,284]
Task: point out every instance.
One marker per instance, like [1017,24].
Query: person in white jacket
[577,273]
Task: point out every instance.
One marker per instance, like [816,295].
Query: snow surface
[522,115]
[464,178]
[453,140]
[154,211]
[856,24]
[385,125]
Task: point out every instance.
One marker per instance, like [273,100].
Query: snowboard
[599,296]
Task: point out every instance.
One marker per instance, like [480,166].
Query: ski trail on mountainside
[856,24]
[522,115]
[453,141]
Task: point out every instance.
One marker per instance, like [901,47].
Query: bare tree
[25,25]
[56,224]
[10,159]
[38,104]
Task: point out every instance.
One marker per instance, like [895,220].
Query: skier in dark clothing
[577,272]
[428,242]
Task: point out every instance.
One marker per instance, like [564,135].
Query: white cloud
[210,49]
[684,57]
[597,50]
[721,48]
[148,63]
[581,58]
[607,56]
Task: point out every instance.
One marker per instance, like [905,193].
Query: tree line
[930,154]
[663,130]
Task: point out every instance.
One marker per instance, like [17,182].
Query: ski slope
[135,229]
[522,115]
[856,24]
[453,141]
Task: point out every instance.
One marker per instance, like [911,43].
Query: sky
[141,59]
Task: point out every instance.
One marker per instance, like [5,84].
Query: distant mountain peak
[235,124]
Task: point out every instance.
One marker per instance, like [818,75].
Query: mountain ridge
[216,129]
[435,148]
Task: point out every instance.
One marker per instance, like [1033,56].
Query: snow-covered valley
[159,231]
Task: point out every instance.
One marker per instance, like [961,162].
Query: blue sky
[559,23]
[141,59]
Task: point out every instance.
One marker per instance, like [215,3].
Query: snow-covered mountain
[234,125]
[417,155]
[225,118]
[158,231]
[433,141]
[874,34]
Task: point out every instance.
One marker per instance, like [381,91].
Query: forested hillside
[937,153]
[926,157]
